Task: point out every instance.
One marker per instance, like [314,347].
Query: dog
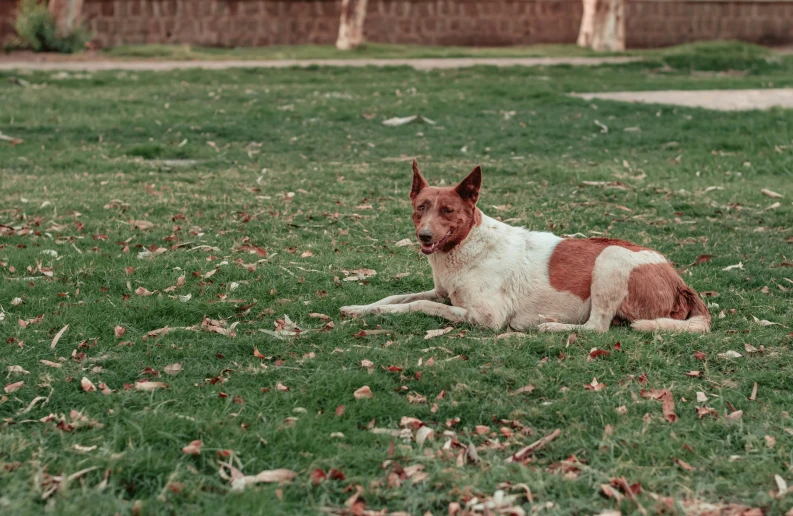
[497,275]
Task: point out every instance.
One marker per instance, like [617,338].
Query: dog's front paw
[549,327]
[353,310]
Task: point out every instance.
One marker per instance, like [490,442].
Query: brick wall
[649,23]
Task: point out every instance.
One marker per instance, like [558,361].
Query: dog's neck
[478,240]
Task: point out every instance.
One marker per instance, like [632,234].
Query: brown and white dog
[495,274]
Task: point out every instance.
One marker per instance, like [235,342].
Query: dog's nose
[425,236]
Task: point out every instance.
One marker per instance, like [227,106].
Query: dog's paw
[353,310]
[550,327]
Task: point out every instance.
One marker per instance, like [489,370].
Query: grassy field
[726,51]
[231,206]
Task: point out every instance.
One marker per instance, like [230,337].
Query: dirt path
[722,100]
[29,63]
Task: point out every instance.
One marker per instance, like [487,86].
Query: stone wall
[649,23]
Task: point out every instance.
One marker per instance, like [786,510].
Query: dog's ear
[468,189]
[419,183]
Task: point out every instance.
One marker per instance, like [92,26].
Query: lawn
[233,207]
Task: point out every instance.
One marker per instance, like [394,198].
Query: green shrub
[36,27]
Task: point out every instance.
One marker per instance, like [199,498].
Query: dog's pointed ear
[468,189]
[419,183]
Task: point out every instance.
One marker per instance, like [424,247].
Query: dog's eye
[420,208]
[446,211]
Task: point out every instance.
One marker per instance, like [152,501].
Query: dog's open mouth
[431,248]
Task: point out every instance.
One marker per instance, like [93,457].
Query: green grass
[293,161]
[729,52]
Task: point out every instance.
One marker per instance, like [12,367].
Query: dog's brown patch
[657,291]
[571,264]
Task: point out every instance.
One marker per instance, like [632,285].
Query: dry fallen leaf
[87,385]
[15,369]
[404,242]
[363,392]
[194,448]
[50,364]
[58,336]
[269,476]
[142,291]
[734,416]
[685,465]
[772,194]
[526,388]
[738,265]
[730,354]
[764,322]
[595,385]
[172,369]
[148,386]
[422,434]
[701,397]
[431,334]
[281,387]
[119,331]
[13,387]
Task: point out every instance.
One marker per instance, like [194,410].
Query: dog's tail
[698,320]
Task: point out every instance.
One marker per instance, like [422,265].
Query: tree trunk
[603,25]
[353,14]
[67,14]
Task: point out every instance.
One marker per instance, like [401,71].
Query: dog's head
[444,216]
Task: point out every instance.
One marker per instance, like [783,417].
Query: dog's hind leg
[609,287]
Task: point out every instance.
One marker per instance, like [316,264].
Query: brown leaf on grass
[666,399]
[148,386]
[595,385]
[315,315]
[699,355]
[694,374]
[172,369]
[621,410]
[431,334]
[58,336]
[194,448]
[685,465]
[367,333]
[363,393]
[526,388]
[142,291]
[49,363]
[482,429]
[240,481]
[13,387]
[317,476]
[537,445]
[735,415]
[764,322]
[753,396]
[119,331]
[141,224]
[15,369]
[281,387]
[410,422]
[257,353]
[367,364]
[87,385]
[770,441]
[359,274]
[706,411]
[307,254]
[340,410]
[772,194]
[25,323]
[595,352]
[703,258]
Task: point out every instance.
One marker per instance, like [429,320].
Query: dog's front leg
[430,295]
[448,312]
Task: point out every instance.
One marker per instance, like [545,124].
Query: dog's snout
[425,235]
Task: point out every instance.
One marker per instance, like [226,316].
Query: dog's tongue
[428,249]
